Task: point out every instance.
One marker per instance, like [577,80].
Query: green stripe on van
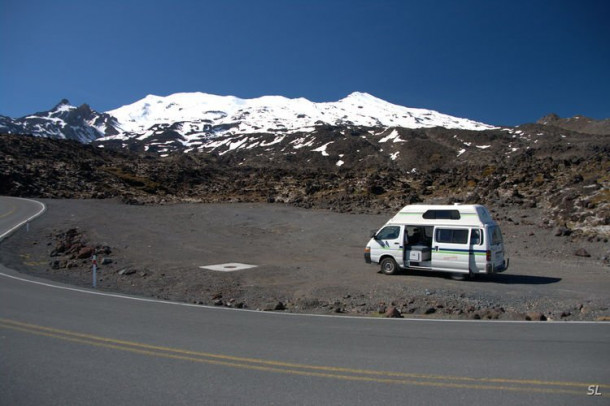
[479,253]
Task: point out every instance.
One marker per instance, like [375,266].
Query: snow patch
[322,149]
[394,136]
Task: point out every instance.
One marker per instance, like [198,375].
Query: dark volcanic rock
[563,172]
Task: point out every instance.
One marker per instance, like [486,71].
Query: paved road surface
[15,212]
[60,345]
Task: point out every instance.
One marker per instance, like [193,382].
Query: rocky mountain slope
[562,172]
[577,123]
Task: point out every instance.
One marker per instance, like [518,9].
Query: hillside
[563,172]
[577,123]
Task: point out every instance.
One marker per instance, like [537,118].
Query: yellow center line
[12,209]
[388,377]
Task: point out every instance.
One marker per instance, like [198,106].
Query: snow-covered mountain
[189,121]
[200,111]
[63,121]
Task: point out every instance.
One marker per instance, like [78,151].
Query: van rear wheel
[388,266]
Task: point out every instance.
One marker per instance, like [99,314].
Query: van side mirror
[374,234]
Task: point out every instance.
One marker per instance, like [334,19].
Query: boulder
[563,232]
[273,306]
[85,252]
[535,316]
[393,312]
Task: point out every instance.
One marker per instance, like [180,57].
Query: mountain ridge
[63,121]
[228,115]
[346,132]
[577,123]
[278,113]
[199,115]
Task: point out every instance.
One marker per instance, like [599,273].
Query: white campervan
[461,239]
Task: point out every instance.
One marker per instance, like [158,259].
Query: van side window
[388,233]
[476,237]
[452,236]
[442,215]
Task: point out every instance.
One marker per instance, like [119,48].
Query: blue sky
[499,62]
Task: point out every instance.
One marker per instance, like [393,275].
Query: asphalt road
[60,345]
[15,212]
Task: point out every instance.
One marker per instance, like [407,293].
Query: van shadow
[500,278]
[512,279]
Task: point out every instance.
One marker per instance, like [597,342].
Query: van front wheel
[388,266]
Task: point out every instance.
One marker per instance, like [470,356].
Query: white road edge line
[273,313]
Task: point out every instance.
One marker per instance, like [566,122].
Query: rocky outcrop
[72,250]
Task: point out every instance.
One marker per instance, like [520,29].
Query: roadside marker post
[94,270]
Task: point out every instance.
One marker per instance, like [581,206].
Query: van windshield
[496,235]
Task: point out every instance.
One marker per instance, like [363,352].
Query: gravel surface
[305,261]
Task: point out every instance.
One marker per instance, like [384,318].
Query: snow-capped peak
[362,97]
[63,105]
[64,121]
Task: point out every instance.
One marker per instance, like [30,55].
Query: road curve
[61,345]
[16,212]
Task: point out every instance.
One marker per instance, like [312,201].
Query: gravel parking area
[304,261]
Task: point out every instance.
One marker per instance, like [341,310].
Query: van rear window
[442,215]
[496,235]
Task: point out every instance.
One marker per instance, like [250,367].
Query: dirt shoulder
[306,261]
